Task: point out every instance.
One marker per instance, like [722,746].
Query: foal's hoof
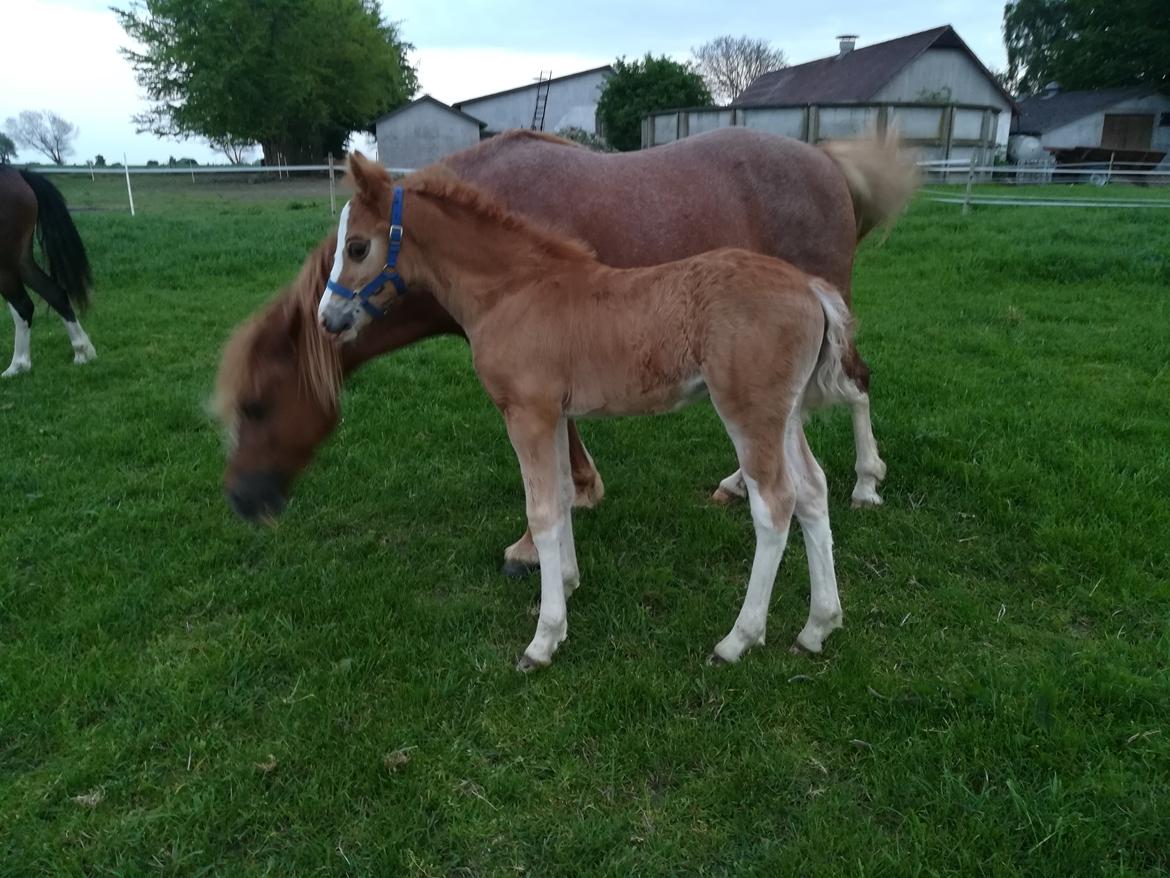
[514,569]
[527,665]
[81,356]
[724,497]
[865,498]
[15,369]
[715,660]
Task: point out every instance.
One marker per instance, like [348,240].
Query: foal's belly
[610,403]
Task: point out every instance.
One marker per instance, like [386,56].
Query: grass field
[183,695]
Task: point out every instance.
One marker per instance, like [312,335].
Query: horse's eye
[254,411]
[357,250]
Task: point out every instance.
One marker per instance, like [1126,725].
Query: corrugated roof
[854,77]
[430,100]
[1039,114]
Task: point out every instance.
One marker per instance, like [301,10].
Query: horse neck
[416,317]
[468,260]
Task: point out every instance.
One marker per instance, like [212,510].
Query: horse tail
[881,178]
[830,382]
[61,246]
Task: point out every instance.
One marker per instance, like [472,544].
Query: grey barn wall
[571,102]
[422,134]
[1088,131]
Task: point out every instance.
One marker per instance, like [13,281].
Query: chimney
[847,42]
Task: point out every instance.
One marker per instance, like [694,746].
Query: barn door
[1128,131]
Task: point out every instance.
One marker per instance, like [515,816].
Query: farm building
[424,131]
[1132,124]
[929,85]
[549,104]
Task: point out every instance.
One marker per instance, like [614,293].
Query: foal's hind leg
[870,468]
[20,306]
[771,496]
[30,272]
[812,511]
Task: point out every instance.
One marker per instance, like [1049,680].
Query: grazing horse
[556,334]
[30,203]
[731,187]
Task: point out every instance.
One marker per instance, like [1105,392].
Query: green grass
[998,702]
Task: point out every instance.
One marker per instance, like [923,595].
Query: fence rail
[969,171]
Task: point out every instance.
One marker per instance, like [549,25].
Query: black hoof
[519,569]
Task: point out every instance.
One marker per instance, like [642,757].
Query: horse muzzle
[336,318]
[257,497]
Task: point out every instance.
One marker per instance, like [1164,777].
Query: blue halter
[388,272]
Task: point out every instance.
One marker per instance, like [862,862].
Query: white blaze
[338,258]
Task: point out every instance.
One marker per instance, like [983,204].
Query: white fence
[937,171]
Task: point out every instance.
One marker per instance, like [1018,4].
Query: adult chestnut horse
[28,203]
[556,334]
[731,187]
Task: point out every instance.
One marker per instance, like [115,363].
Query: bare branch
[730,64]
[44,132]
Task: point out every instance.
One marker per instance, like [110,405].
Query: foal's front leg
[540,440]
[520,557]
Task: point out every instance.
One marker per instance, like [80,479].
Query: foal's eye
[253,411]
[357,250]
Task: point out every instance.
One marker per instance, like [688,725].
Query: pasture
[180,694]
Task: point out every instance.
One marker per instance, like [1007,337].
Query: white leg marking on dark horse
[21,361]
[870,467]
[83,350]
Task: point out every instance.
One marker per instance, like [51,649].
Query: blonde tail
[829,384]
[881,178]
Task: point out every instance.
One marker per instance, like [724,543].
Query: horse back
[727,188]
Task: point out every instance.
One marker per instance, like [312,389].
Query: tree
[641,87]
[1086,44]
[44,132]
[729,64]
[237,151]
[7,149]
[99,161]
[295,76]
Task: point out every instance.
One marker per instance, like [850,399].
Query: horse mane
[289,319]
[444,184]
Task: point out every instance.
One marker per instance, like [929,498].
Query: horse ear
[367,175]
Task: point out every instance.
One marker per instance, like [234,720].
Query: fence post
[970,183]
[332,188]
[90,164]
[129,191]
[1109,177]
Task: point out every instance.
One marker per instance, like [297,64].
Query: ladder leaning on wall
[542,86]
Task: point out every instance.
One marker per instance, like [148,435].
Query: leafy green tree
[99,161]
[7,149]
[641,87]
[1086,44]
[295,76]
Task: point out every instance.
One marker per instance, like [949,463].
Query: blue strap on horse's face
[388,272]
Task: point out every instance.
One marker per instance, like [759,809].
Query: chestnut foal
[555,334]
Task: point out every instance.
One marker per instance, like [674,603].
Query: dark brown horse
[30,203]
[731,187]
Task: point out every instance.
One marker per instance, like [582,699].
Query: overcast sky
[463,48]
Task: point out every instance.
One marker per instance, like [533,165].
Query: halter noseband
[388,272]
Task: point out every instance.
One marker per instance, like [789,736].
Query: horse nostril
[336,323]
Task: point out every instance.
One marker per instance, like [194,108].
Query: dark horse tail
[61,246]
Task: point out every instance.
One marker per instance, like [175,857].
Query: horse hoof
[514,569]
[15,369]
[715,660]
[526,665]
[724,497]
[865,499]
